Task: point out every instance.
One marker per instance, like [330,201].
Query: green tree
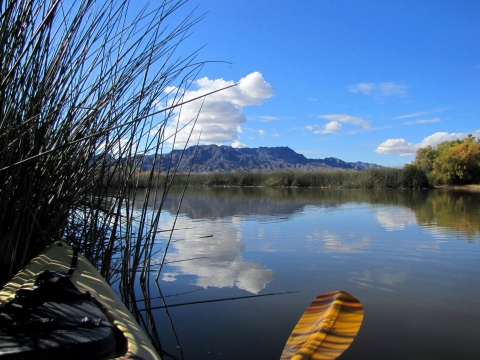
[425,158]
[457,162]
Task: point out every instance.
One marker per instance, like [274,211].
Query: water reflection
[213,254]
[387,276]
[395,218]
[212,251]
[394,250]
[340,244]
[451,212]
[439,211]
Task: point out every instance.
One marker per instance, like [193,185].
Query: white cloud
[261,132]
[439,137]
[397,146]
[390,89]
[264,118]
[354,120]
[403,148]
[331,127]
[422,121]
[221,113]
[380,91]
[420,113]
[238,145]
[276,135]
[364,88]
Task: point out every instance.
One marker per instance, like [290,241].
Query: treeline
[451,162]
[411,177]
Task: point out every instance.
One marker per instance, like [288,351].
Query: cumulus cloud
[439,137]
[403,148]
[221,113]
[343,118]
[397,146]
[276,135]
[238,145]
[380,91]
[261,132]
[331,127]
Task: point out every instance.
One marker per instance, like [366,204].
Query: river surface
[411,257]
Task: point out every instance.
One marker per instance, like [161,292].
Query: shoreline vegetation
[81,84]
[386,178]
[449,164]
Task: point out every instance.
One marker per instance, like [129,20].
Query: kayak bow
[61,341]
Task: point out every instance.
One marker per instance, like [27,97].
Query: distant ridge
[214,158]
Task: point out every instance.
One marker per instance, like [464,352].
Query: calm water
[411,257]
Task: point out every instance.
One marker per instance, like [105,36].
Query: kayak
[60,307]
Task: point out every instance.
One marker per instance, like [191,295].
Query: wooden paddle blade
[326,329]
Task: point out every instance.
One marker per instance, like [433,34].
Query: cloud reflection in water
[217,260]
[337,243]
[395,218]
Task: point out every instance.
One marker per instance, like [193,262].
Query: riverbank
[385,178]
[470,187]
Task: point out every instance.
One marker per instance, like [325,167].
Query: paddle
[326,329]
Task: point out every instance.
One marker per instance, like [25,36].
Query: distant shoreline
[470,187]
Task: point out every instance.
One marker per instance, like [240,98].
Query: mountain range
[214,158]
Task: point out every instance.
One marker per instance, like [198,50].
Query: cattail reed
[80,87]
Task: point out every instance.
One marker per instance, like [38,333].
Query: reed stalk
[80,86]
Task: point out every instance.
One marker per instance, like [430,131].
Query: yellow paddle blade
[326,329]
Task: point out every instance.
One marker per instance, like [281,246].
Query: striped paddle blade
[326,329]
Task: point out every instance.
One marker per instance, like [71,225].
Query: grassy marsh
[385,178]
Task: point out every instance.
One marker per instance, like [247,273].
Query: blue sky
[358,80]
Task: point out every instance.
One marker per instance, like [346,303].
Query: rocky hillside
[213,158]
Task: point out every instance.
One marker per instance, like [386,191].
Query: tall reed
[409,177]
[80,84]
